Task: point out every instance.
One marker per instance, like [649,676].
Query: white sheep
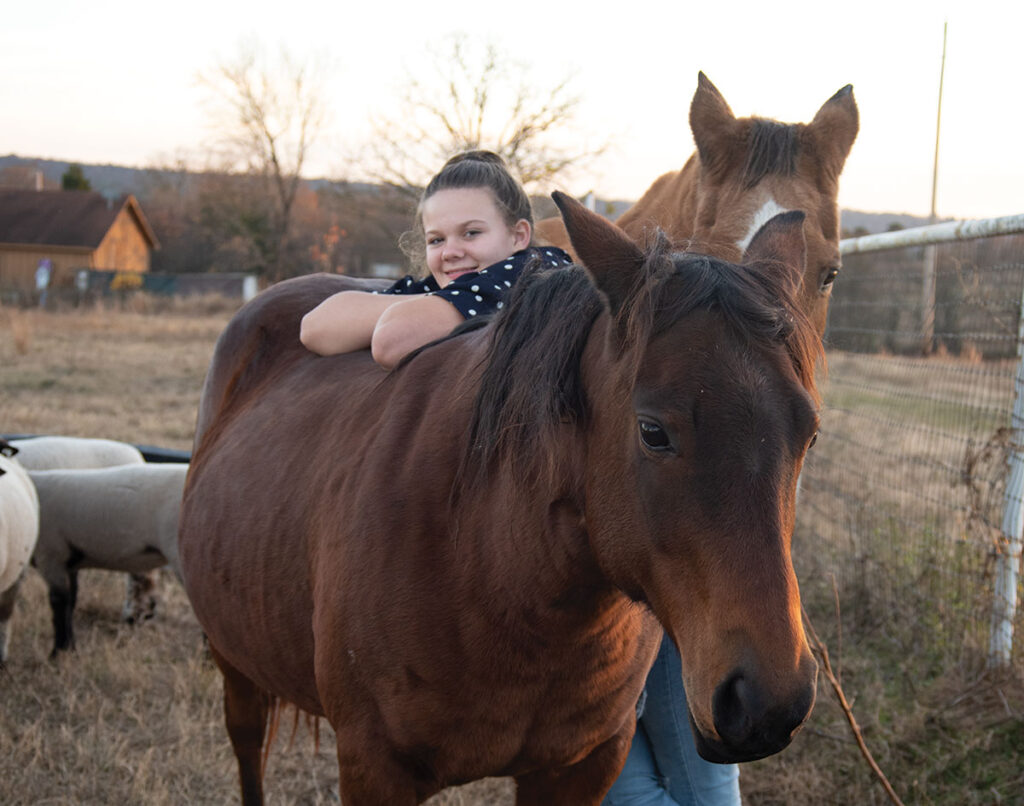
[118,518]
[19,529]
[67,453]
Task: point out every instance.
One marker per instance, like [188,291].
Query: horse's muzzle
[749,725]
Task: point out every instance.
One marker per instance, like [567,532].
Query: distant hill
[110,180]
[115,180]
[855,222]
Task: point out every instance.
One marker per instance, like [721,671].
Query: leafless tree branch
[268,115]
[474,96]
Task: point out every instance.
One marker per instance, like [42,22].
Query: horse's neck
[521,526]
[530,543]
[669,204]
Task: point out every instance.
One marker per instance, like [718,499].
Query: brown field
[133,717]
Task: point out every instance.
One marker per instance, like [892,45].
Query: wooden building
[73,230]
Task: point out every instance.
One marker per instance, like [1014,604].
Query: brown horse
[746,170]
[462,564]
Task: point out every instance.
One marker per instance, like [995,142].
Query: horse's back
[263,335]
[665,205]
[293,451]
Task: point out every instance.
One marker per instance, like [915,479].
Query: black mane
[531,380]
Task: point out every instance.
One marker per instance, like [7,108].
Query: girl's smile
[465,231]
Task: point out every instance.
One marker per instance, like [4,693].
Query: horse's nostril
[736,705]
[752,725]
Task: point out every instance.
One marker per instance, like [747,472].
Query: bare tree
[268,113]
[475,96]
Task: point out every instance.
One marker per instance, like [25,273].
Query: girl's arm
[409,324]
[344,322]
[390,325]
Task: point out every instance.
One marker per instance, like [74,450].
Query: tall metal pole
[930,253]
[938,126]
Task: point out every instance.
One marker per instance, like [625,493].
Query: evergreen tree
[74,179]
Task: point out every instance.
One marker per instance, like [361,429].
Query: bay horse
[465,564]
[744,171]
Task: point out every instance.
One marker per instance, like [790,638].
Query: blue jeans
[663,768]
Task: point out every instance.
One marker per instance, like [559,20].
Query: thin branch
[822,652]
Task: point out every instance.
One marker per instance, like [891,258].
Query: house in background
[73,230]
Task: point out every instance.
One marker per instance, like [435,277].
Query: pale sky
[114,82]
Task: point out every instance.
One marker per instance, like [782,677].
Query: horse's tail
[275,706]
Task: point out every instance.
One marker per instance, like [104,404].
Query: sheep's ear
[7,449]
[606,252]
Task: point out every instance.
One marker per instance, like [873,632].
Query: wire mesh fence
[902,499]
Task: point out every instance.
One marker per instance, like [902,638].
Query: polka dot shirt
[482,292]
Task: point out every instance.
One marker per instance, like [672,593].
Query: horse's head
[702,407]
[748,170]
[753,169]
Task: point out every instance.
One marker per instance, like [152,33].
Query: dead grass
[134,717]
[20,324]
[102,372]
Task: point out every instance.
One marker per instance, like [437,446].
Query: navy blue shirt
[481,292]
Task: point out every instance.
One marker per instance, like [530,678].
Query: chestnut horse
[465,564]
[745,171]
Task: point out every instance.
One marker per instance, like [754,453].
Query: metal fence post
[928,300]
[1004,604]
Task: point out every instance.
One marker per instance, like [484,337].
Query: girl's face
[466,232]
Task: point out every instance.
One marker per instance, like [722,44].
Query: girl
[476,224]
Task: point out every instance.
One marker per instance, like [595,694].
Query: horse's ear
[715,128]
[781,243]
[607,253]
[834,129]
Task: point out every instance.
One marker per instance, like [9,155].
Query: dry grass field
[133,717]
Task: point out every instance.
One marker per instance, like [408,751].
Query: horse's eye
[654,436]
[814,439]
[830,277]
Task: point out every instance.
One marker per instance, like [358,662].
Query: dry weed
[21,325]
[97,372]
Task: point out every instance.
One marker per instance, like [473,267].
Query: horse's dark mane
[771,149]
[531,382]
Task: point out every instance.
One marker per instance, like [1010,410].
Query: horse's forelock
[640,311]
[762,306]
[772,149]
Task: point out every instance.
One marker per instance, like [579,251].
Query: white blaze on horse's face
[768,211]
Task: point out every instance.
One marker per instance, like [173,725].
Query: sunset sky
[115,82]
